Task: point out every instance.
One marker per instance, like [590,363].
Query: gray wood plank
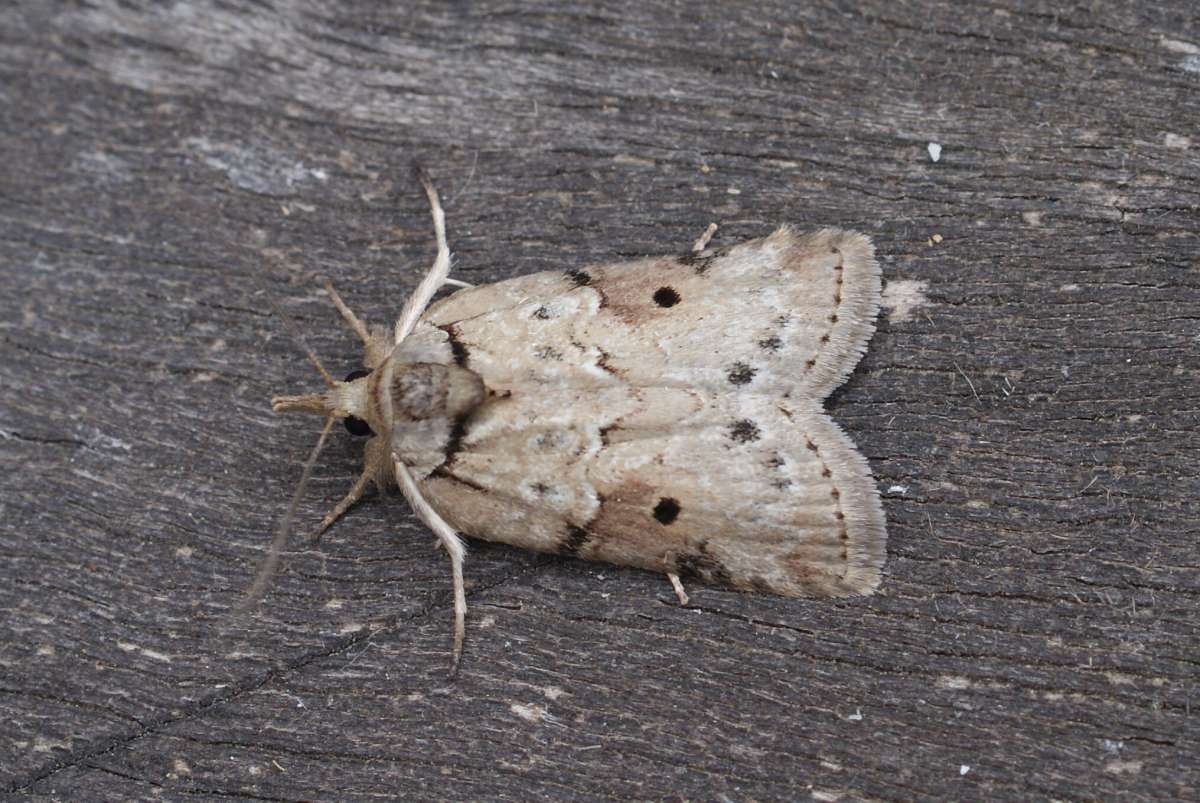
[168,171]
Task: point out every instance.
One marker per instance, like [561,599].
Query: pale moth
[664,413]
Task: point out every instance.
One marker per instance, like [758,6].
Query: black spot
[744,431]
[540,488]
[666,297]
[771,343]
[667,510]
[579,278]
[542,313]
[548,353]
[357,373]
[741,374]
[573,540]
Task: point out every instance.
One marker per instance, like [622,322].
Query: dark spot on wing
[540,488]
[573,540]
[744,431]
[666,297]
[542,313]
[580,278]
[667,510]
[740,373]
[771,343]
[548,353]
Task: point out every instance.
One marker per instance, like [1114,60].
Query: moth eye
[356,426]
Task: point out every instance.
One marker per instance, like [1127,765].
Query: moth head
[348,400]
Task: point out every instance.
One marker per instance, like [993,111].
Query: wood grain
[169,171]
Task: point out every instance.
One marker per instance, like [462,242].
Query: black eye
[356,426]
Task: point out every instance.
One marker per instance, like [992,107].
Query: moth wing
[786,315]
[735,489]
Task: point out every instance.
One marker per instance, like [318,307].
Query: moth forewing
[664,413]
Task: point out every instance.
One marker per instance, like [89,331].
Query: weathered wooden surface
[1032,419]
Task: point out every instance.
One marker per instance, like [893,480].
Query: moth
[663,413]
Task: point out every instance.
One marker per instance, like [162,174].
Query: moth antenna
[294,333]
[266,569]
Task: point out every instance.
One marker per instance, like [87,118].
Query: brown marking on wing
[645,293]
[625,530]
[811,567]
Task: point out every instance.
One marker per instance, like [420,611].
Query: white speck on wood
[902,297]
[529,713]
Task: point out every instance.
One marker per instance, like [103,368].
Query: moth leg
[678,586]
[348,315]
[352,496]
[702,243]
[454,548]
[437,274]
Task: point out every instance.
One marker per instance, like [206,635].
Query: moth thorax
[430,390]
